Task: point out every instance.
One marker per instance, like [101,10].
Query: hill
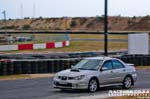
[115,23]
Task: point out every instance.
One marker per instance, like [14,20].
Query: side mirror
[104,68]
[72,66]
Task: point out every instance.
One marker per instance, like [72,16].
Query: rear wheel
[93,85]
[127,82]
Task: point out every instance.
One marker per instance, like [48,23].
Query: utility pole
[106,28]
[66,28]
[21,11]
[4,12]
[34,11]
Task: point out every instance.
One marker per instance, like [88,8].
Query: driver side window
[107,65]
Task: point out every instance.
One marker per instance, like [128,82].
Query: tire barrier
[137,60]
[35,66]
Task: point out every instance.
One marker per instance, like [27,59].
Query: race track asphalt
[41,88]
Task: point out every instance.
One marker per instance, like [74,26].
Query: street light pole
[106,28]
[4,12]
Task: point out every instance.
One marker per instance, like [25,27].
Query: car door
[106,75]
[119,71]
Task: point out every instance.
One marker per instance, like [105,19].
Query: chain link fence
[19,38]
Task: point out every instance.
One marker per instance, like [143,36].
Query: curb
[33,46]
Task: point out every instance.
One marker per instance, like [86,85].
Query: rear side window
[117,64]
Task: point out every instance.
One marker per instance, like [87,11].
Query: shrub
[8,27]
[26,17]
[57,28]
[99,18]
[73,23]
[25,27]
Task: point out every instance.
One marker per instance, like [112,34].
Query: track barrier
[33,66]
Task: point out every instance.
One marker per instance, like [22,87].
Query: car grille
[65,78]
[62,77]
[64,85]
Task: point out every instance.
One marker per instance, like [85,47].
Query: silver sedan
[95,72]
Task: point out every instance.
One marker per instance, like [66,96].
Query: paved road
[42,88]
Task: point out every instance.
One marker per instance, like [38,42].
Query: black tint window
[108,65]
[117,64]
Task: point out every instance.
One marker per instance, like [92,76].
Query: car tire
[127,82]
[93,85]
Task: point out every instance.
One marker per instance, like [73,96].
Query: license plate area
[63,83]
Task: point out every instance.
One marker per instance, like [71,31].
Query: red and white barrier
[34,46]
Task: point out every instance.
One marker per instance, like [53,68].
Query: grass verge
[142,67]
[124,97]
[79,46]
[25,76]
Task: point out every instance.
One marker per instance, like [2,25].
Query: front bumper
[70,84]
[134,77]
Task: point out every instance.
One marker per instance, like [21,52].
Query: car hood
[70,73]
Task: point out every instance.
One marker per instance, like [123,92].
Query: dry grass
[142,67]
[25,76]
[80,46]
[41,38]
[98,36]
[11,77]
[125,97]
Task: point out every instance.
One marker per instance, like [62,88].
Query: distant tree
[119,15]
[134,17]
[26,17]
[147,16]
[99,18]
[9,19]
[40,17]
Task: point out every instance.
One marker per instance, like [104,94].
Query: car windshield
[88,64]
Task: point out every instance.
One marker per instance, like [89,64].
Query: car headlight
[79,77]
[56,76]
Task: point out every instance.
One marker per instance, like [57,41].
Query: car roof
[101,58]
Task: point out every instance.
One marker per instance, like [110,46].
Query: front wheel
[93,85]
[127,82]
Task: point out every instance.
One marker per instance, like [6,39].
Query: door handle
[124,70]
[111,71]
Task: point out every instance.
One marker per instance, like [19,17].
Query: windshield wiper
[92,69]
[82,68]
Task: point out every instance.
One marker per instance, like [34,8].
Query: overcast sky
[72,8]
